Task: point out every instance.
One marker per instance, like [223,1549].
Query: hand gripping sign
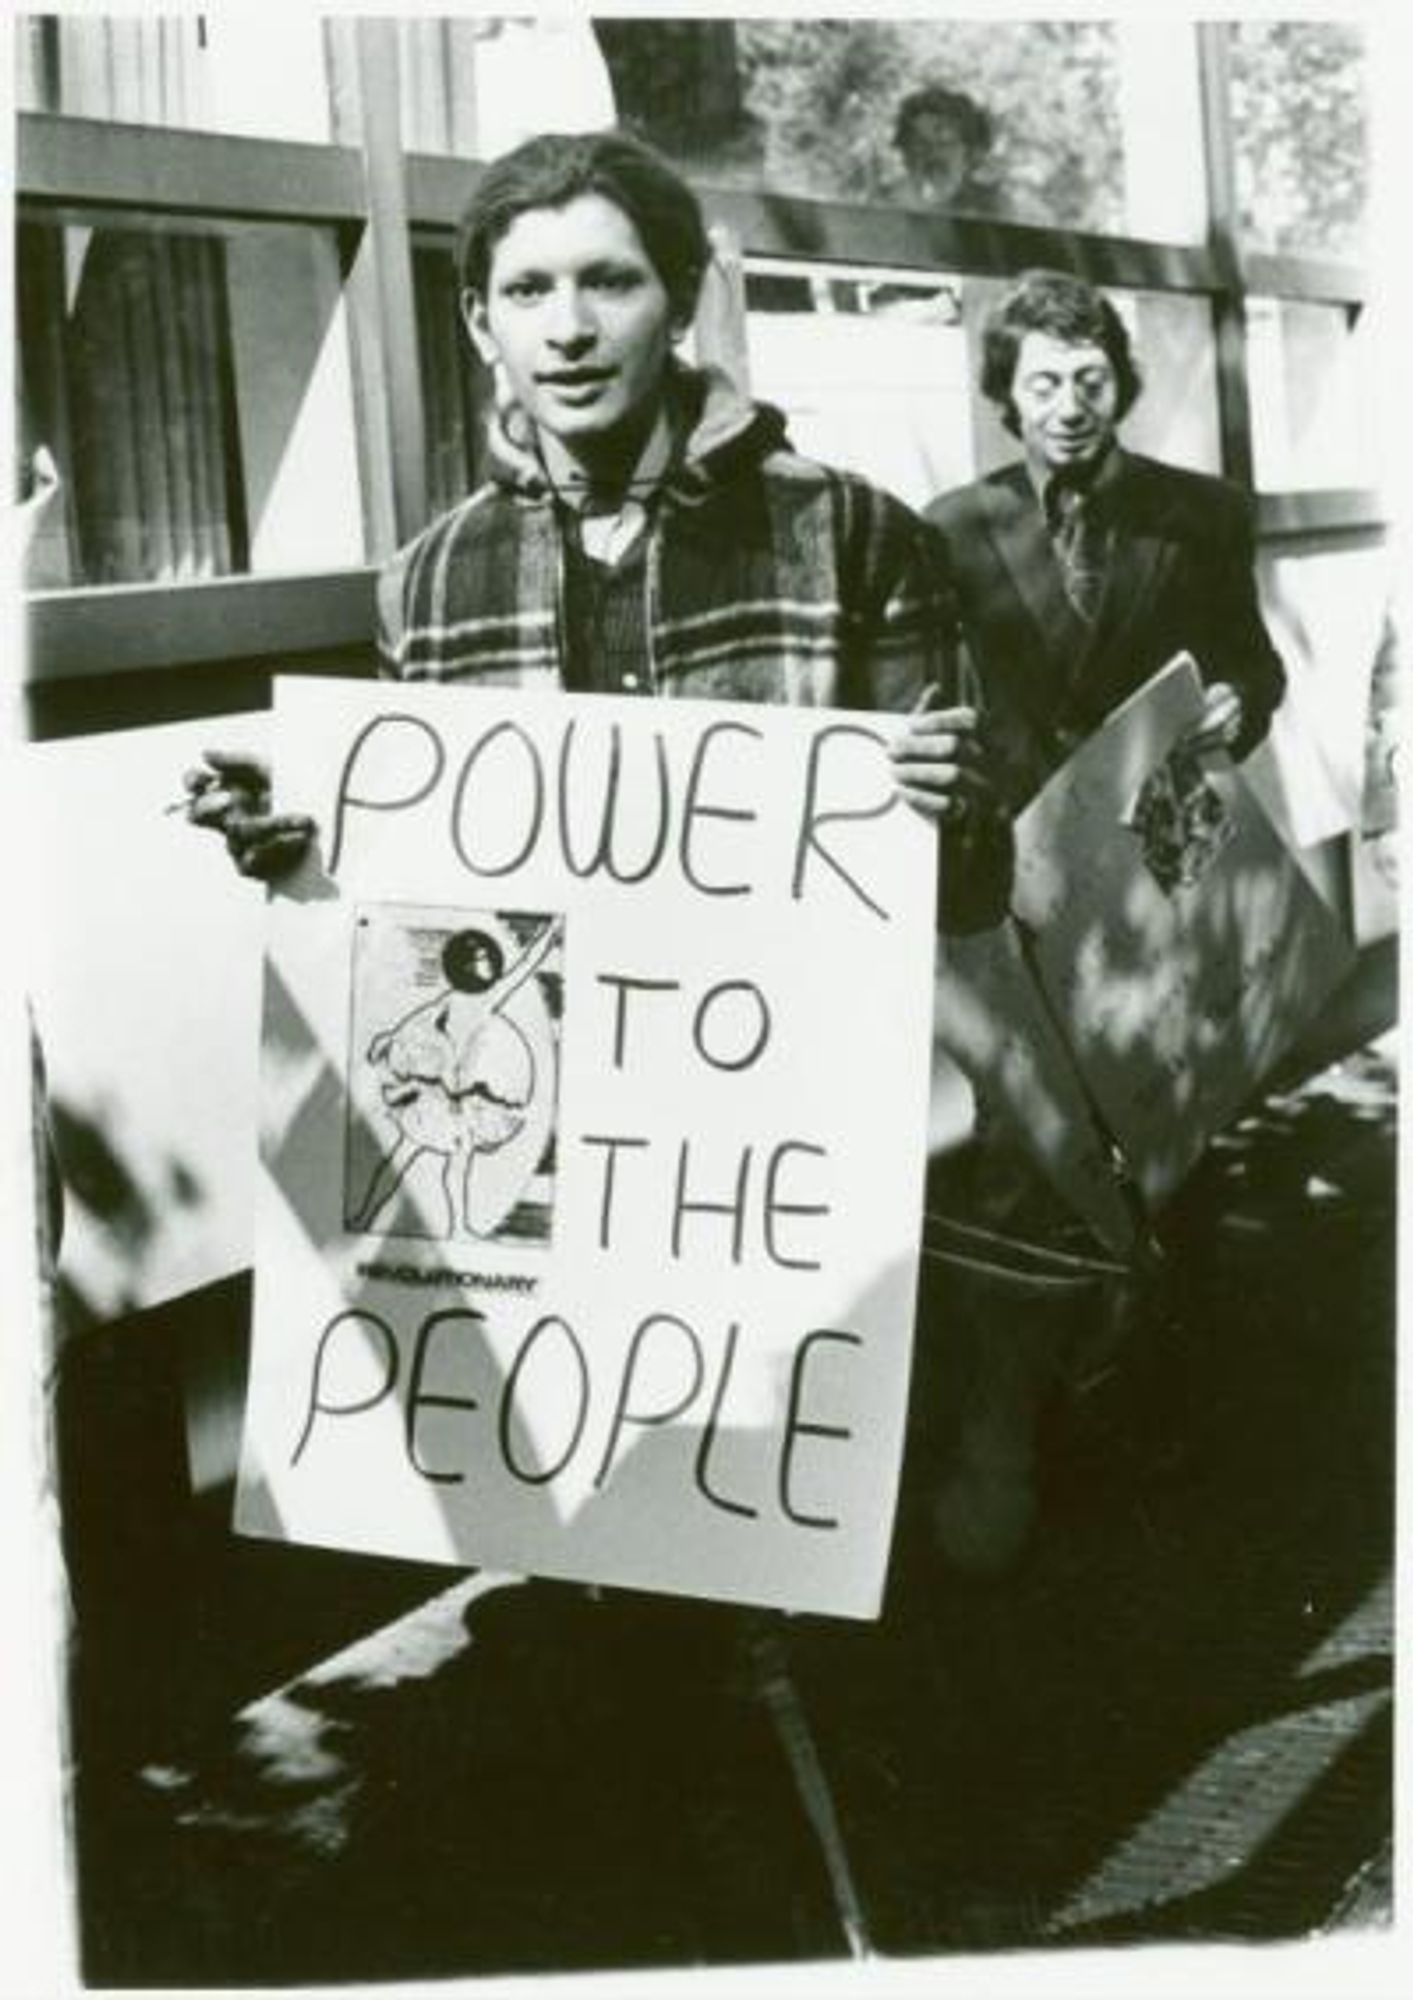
[595,1065]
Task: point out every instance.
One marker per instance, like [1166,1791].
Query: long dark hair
[549,171]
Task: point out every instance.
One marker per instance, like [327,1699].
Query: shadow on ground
[1171,1723]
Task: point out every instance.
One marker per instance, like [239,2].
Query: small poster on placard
[594,1097]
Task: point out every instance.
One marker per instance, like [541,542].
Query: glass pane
[475,86]
[1019,119]
[1298,111]
[1176,417]
[1014,119]
[1328,611]
[449,373]
[878,372]
[209,72]
[194,392]
[1312,414]
[870,368]
[1081,124]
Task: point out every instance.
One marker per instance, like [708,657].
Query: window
[205,72]
[869,366]
[246,384]
[476,85]
[1021,121]
[1312,419]
[1298,117]
[193,388]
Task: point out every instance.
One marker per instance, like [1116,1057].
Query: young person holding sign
[647,530]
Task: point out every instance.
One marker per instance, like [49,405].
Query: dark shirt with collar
[606,623]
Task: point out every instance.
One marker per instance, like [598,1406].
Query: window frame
[378,199]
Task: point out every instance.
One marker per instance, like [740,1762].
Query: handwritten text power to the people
[679,1358]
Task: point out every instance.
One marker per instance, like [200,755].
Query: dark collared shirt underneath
[606,619]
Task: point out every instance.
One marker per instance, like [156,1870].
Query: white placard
[605,1270]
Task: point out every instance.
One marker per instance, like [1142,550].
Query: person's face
[470,963]
[937,157]
[1066,396]
[578,318]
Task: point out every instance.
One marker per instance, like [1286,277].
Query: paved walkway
[1173,1722]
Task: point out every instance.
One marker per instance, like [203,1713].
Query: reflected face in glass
[937,156]
[578,318]
[1066,397]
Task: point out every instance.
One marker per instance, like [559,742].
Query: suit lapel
[1014,524]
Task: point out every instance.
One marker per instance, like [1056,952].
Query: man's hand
[942,766]
[1219,725]
[229,792]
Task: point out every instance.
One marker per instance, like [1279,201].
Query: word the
[750,1199]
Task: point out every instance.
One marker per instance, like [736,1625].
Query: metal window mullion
[96,631]
[807,229]
[1308,279]
[381,297]
[89,163]
[1321,510]
[1223,245]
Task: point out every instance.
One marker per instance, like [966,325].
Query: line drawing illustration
[457,1086]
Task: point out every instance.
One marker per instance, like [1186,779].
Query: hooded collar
[718,433]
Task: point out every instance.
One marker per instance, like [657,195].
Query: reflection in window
[1298,111]
[1018,118]
[193,391]
[680,85]
[1312,418]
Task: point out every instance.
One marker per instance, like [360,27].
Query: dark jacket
[1180,579]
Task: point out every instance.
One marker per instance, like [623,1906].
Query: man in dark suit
[1080,571]
[1084,568]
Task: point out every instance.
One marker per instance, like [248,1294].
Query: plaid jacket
[769,578]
